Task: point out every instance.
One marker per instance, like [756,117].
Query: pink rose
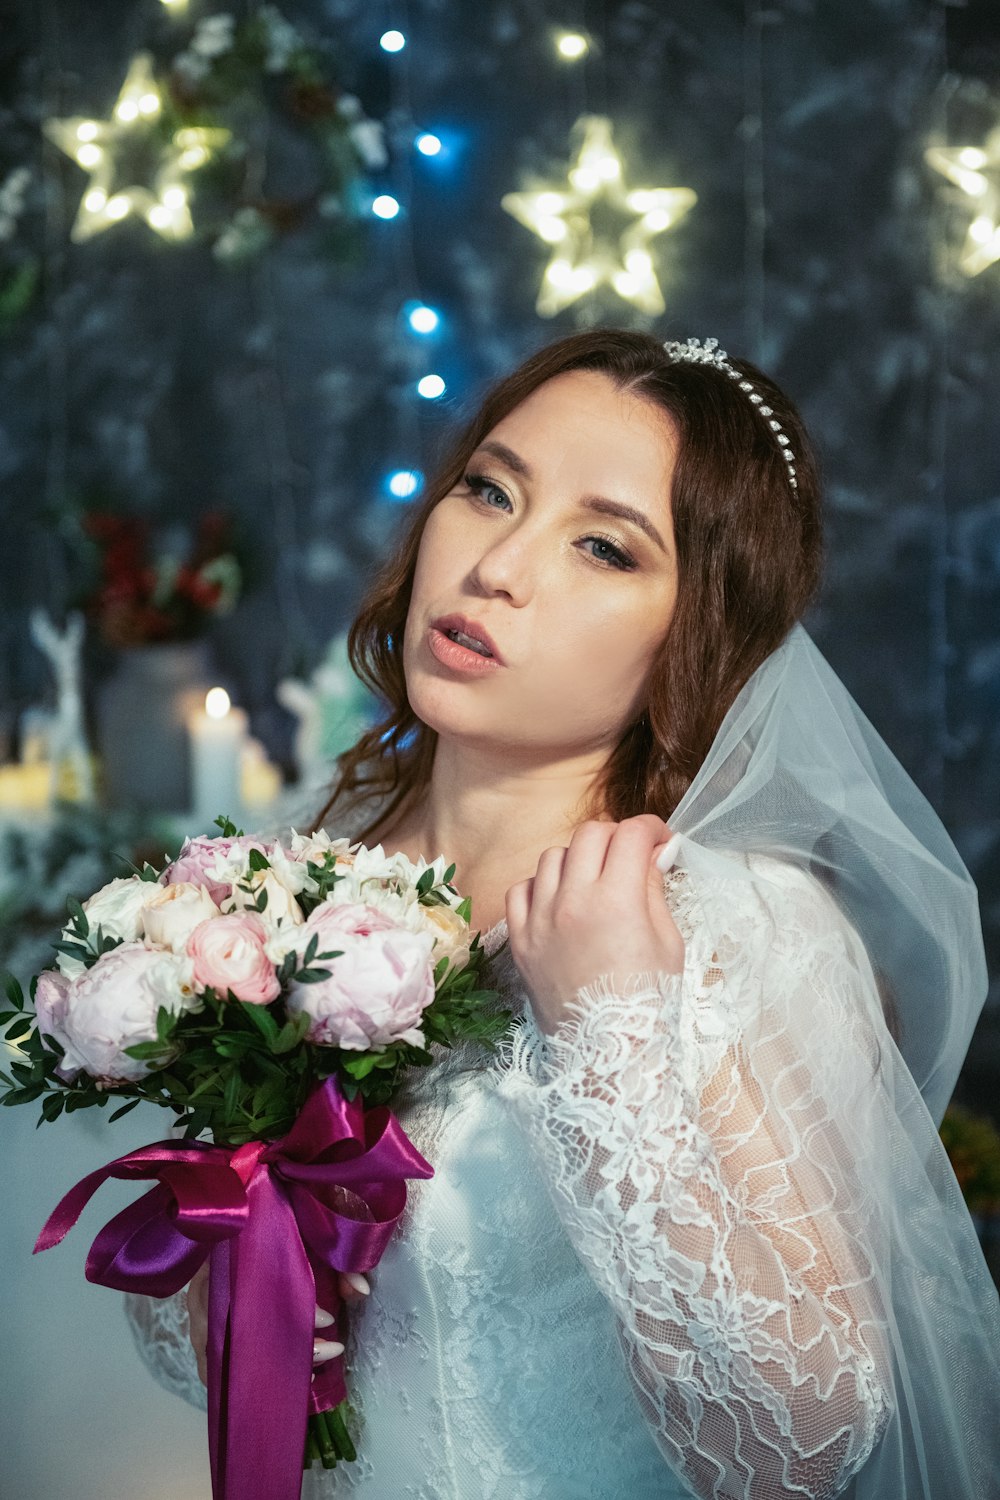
[111,1006]
[379,986]
[215,863]
[228,954]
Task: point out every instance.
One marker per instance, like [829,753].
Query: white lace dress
[620,1280]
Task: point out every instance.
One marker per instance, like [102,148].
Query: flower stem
[338,1431]
[312,1452]
[319,1439]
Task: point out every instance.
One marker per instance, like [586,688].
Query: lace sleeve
[162,1335]
[696,1163]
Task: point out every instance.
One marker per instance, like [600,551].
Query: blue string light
[421,318]
[403,484]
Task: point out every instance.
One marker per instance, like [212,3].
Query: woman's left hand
[595,908]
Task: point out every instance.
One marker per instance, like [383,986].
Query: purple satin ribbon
[278,1220]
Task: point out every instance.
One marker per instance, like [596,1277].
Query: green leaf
[123,1110]
[446,877]
[143,1051]
[311,976]
[20,1028]
[13,991]
[52,1106]
[290,1035]
[360,1067]
[311,947]
[74,948]
[82,923]
[26,1096]
[261,1017]
[53,1044]
[259,860]
[231,1096]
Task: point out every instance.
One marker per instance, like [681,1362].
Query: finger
[547,879]
[629,855]
[517,899]
[324,1349]
[584,862]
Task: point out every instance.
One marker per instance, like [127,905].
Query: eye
[478,483]
[619,559]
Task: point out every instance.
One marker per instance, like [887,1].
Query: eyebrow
[597,503]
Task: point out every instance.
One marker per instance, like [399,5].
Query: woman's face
[576,601]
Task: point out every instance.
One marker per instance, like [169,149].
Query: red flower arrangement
[141,600]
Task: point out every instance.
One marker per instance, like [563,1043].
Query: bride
[692,1231]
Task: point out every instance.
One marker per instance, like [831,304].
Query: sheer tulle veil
[798,775]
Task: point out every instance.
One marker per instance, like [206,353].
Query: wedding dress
[704,1240]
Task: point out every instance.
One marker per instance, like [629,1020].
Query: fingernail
[324,1318]
[326,1349]
[667,855]
[357,1280]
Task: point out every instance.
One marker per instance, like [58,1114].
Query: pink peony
[228,954]
[50,1008]
[111,1006]
[215,863]
[379,986]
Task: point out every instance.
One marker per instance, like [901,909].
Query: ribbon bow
[278,1219]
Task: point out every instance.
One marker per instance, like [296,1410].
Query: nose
[505,568]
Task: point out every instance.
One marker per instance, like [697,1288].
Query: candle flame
[217,703]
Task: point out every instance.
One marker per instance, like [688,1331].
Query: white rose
[174,911]
[281,910]
[117,908]
[291,872]
[451,932]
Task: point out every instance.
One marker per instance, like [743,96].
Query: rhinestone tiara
[709,353]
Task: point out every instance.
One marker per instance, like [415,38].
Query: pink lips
[460,658]
[470,627]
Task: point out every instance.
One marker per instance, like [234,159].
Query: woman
[693,1231]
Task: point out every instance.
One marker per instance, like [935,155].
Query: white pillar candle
[217,732]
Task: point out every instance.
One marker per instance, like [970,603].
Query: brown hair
[749,556]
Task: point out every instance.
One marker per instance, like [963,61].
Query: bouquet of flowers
[272,996]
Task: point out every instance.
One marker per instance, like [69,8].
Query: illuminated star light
[976,170]
[98,145]
[581,258]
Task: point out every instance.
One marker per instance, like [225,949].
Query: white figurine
[333,708]
[72,768]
